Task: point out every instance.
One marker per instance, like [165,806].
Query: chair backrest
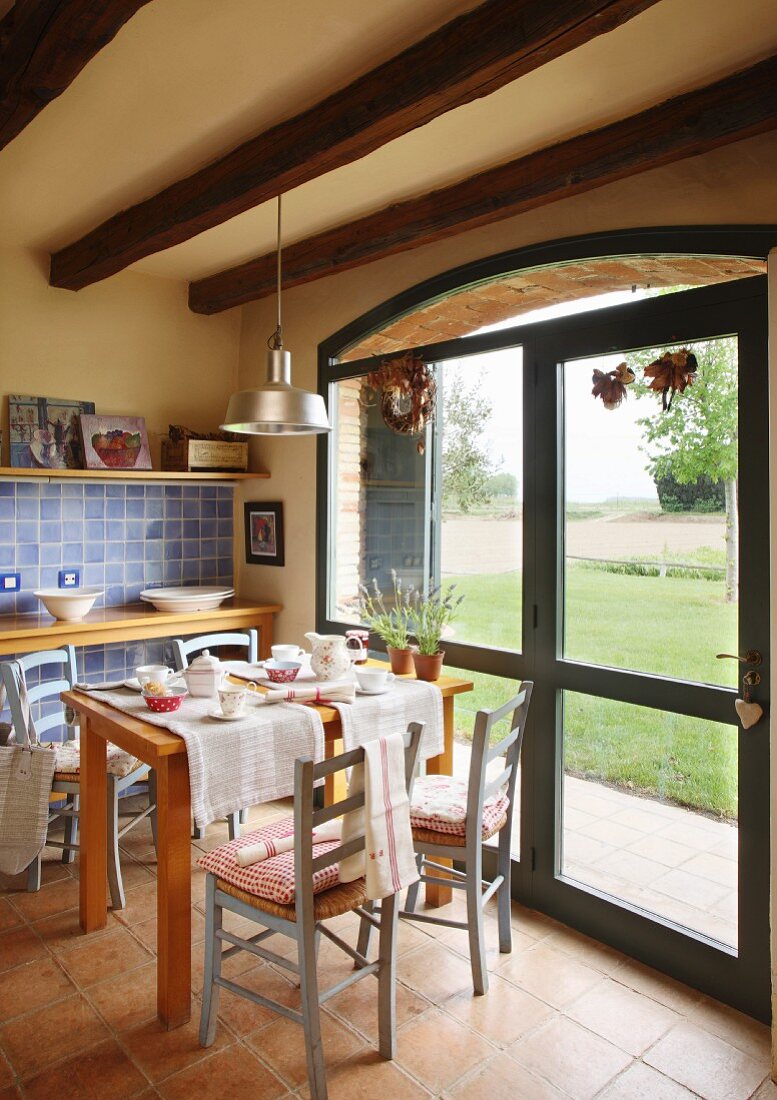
[182,650]
[483,753]
[307,776]
[63,661]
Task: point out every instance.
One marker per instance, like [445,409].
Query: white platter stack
[192,598]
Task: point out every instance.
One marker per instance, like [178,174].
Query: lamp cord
[276,340]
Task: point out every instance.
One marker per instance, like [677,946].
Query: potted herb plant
[391,624]
[431,614]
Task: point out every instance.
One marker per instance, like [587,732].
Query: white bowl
[193,598]
[70,605]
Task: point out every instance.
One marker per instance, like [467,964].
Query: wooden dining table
[165,752]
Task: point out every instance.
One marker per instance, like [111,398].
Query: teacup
[286,652]
[160,673]
[232,698]
[371,678]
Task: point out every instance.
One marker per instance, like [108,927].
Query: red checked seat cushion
[272,878]
[439,803]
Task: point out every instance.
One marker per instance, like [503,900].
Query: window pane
[651,520]
[379,502]
[650,811]
[481,534]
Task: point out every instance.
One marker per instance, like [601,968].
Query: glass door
[652,559]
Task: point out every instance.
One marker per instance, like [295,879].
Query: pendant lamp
[276,407]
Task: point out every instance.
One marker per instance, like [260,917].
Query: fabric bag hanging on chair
[26,777]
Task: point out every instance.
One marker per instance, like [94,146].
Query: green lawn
[662,625]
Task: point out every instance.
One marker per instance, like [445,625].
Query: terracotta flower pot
[428,667]
[401,660]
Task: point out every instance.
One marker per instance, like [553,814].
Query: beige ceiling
[186,80]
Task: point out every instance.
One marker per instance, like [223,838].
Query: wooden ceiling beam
[737,107]
[467,58]
[44,45]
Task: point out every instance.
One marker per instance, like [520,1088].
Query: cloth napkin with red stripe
[388,861]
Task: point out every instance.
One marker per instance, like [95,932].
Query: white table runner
[233,764]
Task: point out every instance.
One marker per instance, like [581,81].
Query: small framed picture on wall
[264,533]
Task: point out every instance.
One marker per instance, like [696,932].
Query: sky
[603,459]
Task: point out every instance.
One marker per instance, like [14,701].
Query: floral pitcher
[330,658]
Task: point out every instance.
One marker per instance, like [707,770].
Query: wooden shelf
[131,622]
[15,473]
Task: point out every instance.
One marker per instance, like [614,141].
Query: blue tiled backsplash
[123,538]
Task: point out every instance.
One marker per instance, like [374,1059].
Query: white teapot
[204,675]
[330,658]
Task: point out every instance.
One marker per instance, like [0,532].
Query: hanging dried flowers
[408,392]
[611,387]
[671,372]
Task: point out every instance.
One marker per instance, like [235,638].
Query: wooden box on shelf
[204,454]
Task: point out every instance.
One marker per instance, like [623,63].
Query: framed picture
[43,431]
[114,442]
[264,533]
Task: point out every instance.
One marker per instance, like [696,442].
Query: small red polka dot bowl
[164,704]
[282,672]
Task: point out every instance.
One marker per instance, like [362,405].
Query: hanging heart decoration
[749,713]
[611,386]
[671,373]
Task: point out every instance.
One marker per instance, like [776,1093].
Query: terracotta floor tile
[743,1032]
[767,1091]
[626,1018]
[281,1044]
[63,930]
[141,905]
[503,1015]
[571,1058]
[18,946]
[640,1082]
[103,1072]
[438,1050]
[366,1076]
[48,900]
[32,986]
[358,1006]
[33,1042]
[128,1000]
[6,1073]
[109,955]
[435,972]
[549,974]
[10,1093]
[585,950]
[503,1079]
[706,1064]
[9,917]
[161,1053]
[233,1072]
[661,988]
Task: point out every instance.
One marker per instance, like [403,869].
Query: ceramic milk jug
[330,659]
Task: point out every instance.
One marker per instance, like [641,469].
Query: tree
[503,485]
[698,435]
[466,465]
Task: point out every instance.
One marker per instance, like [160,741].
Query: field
[667,625]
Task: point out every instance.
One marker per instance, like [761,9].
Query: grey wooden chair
[467,850]
[303,921]
[127,771]
[182,650]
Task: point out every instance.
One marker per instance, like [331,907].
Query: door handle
[752,657]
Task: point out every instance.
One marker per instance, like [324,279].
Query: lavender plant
[391,624]
[431,614]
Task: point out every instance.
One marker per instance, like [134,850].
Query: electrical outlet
[69,578]
[10,582]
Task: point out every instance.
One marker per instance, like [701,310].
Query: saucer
[378,691]
[226,717]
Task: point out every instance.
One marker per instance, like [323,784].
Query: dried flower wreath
[408,392]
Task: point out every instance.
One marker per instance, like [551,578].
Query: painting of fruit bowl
[115,443]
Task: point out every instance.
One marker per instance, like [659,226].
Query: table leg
[442,765]
[265,637]
[174,892]
[335,784]
[93,826]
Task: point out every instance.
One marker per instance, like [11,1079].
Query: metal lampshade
[277,407]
